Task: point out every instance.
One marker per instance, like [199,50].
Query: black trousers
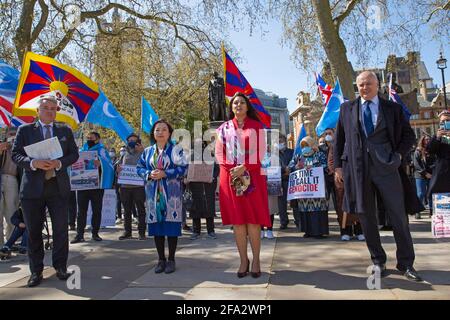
[72,208]
[197,225]
[118,204]
[391,192]
[95,196]
[34,214]
[282,204]
[133,198]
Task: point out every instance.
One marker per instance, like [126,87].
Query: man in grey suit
[45,184]
[372,136]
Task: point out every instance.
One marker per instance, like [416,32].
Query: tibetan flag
[393,96]
[330,115]
[148,116]
[9,79]
[301,135]
[104,114]
[43,75]
[236,82]
[324,89]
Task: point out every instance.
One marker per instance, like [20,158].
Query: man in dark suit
[372,136]
[45,183]
[285,155]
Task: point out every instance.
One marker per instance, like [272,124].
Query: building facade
[277,107]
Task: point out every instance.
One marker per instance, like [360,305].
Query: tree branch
[42,21]
[444,7]
[344,14]
[62,44]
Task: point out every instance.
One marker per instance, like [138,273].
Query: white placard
[83,173]
[306,183]
[108,209]
[48,149]
[440,223]
[128,175]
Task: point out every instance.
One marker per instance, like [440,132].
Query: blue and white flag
[393,96]
[301,135]
[104,114]
[330,115]
[148,116]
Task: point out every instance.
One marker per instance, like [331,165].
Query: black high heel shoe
[256,274]
[243,274]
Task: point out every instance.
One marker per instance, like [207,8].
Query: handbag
[187,199]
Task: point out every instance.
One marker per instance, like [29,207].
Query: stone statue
[217,104]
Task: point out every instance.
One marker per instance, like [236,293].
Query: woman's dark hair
[251,112]
[152,132]
[421,144]
[96,134]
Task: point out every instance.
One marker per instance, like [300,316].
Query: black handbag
[187,199]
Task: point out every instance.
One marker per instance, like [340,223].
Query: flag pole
[140,124]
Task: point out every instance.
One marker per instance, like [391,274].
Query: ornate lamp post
[442,64]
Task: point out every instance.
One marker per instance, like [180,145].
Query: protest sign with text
[84,174]
[306,183]
[128,175]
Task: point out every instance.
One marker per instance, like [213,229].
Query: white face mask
[328,138]
[112,154]
[122,152]
[282,146]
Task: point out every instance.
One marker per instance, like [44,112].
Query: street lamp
[442,64]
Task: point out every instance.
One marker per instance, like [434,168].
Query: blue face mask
[132,144]
[306,151]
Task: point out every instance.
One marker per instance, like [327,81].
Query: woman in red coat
[243,197]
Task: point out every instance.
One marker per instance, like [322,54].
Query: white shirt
[374,108]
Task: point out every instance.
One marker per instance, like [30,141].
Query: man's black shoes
[62,274]
[410,273]
[35,279]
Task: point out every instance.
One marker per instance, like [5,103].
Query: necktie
[47,135]
[368,124]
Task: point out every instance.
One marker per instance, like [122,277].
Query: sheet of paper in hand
[49,149]
[201,172]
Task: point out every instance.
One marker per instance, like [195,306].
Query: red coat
[252,207]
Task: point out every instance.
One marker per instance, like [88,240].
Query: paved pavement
[293,268]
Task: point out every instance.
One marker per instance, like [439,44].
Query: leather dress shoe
[35,279]
[77,240]
[62,274]
[96,237]
[256,274]
[410,273]
[381,267]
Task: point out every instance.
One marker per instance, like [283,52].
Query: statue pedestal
[215,124]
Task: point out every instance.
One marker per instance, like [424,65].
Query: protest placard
[306,183]
[201,172]
[274,187]
[128,175]
[83,173]
[108,209]
[440,224]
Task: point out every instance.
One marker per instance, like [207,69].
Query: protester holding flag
[313,211]
[132,195]
[240,148]
[163,165]
[95,196]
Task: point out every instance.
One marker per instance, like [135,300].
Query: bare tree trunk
[334,47]
[22,39]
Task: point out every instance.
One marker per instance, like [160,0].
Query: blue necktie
[368,124]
